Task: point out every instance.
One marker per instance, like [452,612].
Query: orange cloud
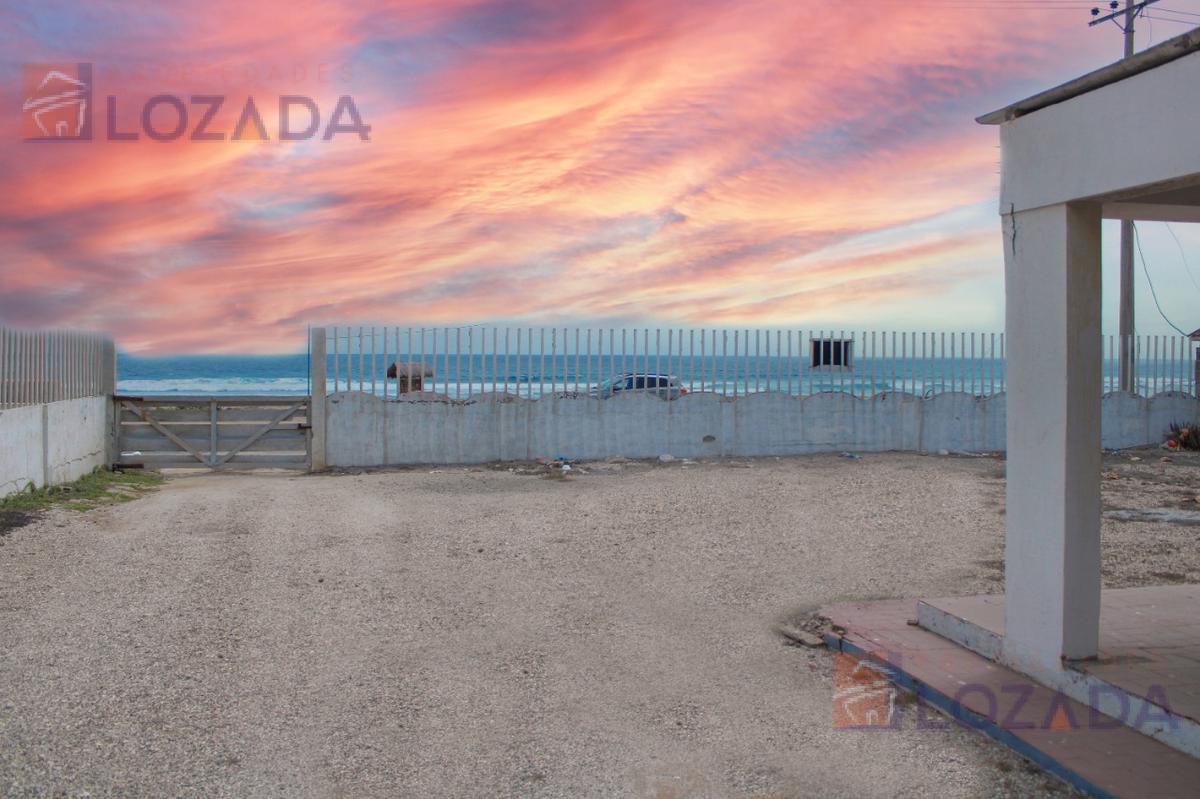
[682,162]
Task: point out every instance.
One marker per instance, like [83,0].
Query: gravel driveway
[484,632]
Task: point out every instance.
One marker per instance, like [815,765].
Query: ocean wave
[215,385]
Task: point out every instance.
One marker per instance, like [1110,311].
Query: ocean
[535,375]
[212,374]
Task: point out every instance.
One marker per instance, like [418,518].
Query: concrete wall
[1131,421]
[52,443]
[363,430]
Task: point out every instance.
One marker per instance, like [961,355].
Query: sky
[689,163]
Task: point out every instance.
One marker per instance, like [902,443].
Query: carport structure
[1119,143]
[1122,142]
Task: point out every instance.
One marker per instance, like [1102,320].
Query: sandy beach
[488,631]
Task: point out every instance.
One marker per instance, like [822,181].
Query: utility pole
[1126,358]
[1127,367]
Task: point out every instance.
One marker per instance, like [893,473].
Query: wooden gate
[214,432]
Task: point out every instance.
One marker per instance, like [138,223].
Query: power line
[1190,23]
[1177,11]
[1186,266]
[1137,240]
[993,3]
[990,5]
[1130,12]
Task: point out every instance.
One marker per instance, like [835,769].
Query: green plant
[100,487]
[1186,435]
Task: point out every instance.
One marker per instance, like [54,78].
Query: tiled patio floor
[1063,736]
[1149,639]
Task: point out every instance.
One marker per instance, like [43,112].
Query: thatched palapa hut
[410,375]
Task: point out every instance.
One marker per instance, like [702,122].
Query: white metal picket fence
[1163,363]
[52,365]
[532,362]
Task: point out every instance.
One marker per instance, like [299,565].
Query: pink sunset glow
[687,163]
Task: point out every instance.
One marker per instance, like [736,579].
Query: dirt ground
[490,631]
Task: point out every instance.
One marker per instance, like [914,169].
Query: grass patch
[101,487]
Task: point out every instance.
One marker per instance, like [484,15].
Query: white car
[664,386]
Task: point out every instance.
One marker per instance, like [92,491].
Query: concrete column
[108,386]
[108,359]
[316,374]
[47,472]
[1052,538]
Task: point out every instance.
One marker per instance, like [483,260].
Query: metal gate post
[212,432]
[316,397]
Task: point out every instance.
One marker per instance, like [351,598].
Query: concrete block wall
[364,430]
[1127,420]
[52,443]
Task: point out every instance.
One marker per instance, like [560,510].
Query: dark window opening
[831,352]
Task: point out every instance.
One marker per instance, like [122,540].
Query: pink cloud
[679,161]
